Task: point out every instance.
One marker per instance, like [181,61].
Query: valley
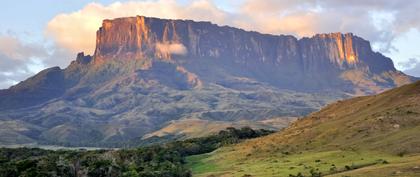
[335,141]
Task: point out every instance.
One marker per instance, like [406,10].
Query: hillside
[364,136]
[193,128]
[147,72]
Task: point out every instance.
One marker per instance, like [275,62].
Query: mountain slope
[387,121]
[193,128]
[146,72]
[355,132]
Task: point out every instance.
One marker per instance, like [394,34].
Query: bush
[347,167]
[315,173]
[297,175]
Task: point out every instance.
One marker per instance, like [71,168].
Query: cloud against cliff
[171,48]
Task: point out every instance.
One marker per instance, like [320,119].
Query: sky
[36,34]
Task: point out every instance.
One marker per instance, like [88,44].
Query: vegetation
[363,136]
[302,164]
[157,160]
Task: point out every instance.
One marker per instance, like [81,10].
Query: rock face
[308,64]
[146,72]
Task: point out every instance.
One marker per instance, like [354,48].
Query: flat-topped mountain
[147,72]
[326,61]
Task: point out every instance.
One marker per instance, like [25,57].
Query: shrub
[347,167]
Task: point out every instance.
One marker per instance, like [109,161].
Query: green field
[364,136]
[333,163]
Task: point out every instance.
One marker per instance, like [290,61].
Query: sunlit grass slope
[365,136]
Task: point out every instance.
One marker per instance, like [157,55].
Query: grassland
[365,136]
[330,163]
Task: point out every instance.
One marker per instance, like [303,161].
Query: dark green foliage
[402,153]
[315,173]
[297,175]
[347,167]
[210,143]
[141,162]
[151,161]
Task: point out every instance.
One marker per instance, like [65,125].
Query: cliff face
[139,36]
[283,61]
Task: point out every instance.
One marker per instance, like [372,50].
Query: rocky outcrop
[83,59]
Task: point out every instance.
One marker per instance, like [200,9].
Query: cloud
[18,60]
[378,21]
[415,71]
[371,19]
[412,67]
[410,63]
[77,30]
[171,48]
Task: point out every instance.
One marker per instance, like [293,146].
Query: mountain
[327,61]
[363,136]
[147,72]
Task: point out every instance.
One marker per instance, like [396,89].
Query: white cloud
[171,48]
[370,19]
[411,67]
[18,60]
[415,71]
[14,49]
[77,31]
[409,64]
[377,21]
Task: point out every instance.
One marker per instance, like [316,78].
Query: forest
[159,160]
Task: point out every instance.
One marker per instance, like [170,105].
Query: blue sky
[29,17]
[34,35]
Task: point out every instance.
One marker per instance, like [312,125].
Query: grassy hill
[364,136]
[194,128]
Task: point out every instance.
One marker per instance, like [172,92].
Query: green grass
[198,164]
[280,164]
[366,140]
[408,166]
